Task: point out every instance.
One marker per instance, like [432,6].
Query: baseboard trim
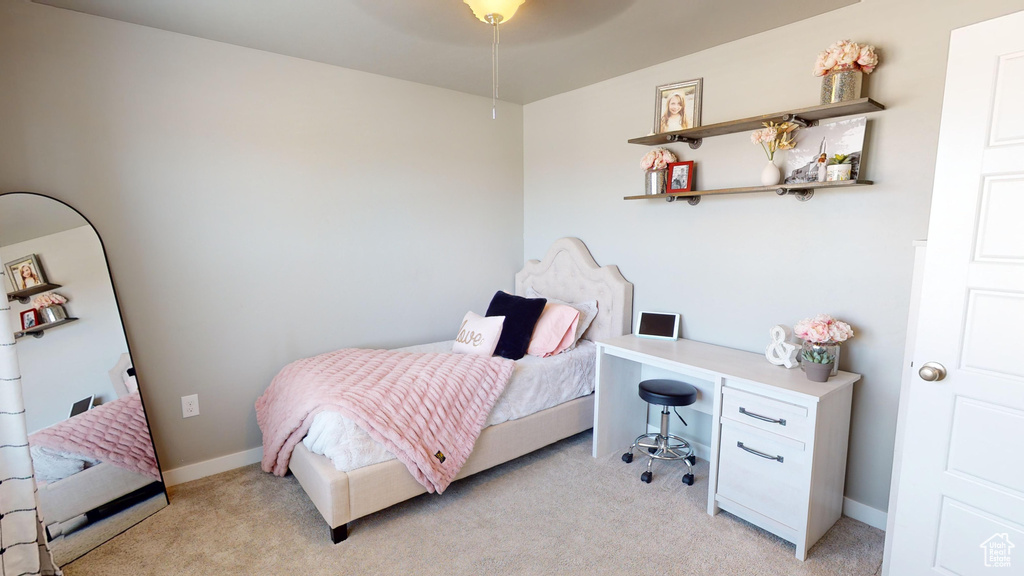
[864,513]
[211,467]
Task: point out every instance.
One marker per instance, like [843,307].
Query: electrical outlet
[190,406]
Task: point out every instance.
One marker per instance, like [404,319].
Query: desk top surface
[729,362]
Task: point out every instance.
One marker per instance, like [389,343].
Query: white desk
[798,495]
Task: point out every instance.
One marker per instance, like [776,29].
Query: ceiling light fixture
[494,12]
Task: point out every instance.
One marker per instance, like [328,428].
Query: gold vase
[841,84]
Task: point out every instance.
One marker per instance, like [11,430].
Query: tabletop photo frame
[677,106]
[25,272]
[680,177]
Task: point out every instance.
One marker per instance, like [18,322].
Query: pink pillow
[555,331]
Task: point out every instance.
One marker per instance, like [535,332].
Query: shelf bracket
[693,142]
[803,194]
[801,122]
[691,200]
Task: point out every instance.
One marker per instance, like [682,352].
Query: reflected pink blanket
[426,409]
[115,432]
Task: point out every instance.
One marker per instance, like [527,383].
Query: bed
[568,272]
[88,496]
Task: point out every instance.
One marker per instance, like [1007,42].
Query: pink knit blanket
[115,432]
[426,409]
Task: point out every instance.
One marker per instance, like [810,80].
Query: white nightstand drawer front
[767,414]
[764,472]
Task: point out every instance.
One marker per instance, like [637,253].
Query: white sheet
[537,384]
[53,465]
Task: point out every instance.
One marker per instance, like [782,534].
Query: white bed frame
[568,272]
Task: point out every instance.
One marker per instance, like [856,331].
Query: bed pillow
[478,335]
[588,311]
[555,331]
[521,315]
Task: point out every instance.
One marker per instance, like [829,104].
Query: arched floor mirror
[90,441]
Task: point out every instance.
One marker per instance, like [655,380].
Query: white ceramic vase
[770,175]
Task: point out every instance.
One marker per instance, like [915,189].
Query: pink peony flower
[823,329]
[846,54]
[657,159]
[51,299]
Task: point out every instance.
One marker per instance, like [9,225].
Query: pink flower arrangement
[657,159]
[846,55]
[50,299]
[774,137]
[823,329]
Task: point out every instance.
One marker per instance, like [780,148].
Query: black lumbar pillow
[521,315]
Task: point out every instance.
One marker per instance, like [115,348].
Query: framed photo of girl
[677,106]
[25,272]
[680,177]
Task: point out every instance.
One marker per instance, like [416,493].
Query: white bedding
[53,465]
[536,384]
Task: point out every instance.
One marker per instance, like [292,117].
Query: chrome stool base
[663,446]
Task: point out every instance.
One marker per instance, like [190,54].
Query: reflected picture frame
[680,177]
[689,91]
[16,269]
[30,319]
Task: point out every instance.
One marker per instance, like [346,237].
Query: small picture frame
[677,106]
[680,177]
[29,319]
[25,272]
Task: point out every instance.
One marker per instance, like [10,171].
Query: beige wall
[70,362]
[256,208]
[736,265]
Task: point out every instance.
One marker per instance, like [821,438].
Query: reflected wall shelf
[803,116]
[23,295]
[37,331]
[803,191]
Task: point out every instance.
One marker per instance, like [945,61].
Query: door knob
[932,372]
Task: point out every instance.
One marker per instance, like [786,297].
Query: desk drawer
[764,472]
[768,414]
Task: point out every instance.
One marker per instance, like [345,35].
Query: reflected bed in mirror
[97,470]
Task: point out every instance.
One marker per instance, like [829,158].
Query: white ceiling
[29,216]
[549,47]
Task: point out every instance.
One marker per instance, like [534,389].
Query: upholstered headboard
[568,272]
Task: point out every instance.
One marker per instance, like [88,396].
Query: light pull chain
[494,73]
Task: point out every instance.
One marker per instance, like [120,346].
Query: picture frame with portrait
[680,177]
[25,272]
[677,106]
[30,319]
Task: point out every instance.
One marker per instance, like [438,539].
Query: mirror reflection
[90,442]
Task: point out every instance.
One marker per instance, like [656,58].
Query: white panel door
[961,491]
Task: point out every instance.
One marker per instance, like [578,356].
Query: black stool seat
[668,392]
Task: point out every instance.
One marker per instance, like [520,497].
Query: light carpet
[556,511]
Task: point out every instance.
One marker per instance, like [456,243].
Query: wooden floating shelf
[38,330]
[802,191]
[810,115]
[23,295]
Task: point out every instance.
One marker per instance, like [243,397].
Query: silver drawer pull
[780,421]
[756,453]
